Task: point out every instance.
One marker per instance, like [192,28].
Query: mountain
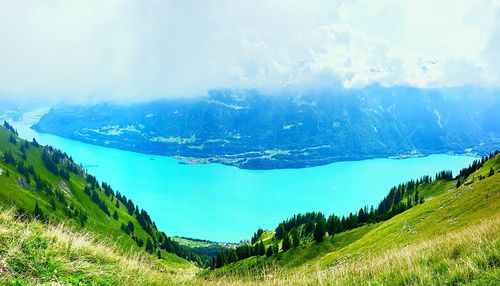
[54,229]
[288,129]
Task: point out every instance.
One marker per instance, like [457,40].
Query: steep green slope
[36,253]
[41,181]
[462,220]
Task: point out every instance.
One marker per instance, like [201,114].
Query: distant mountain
[289,129]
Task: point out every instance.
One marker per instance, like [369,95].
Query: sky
[140,50]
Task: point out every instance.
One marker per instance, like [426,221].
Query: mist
[129,51]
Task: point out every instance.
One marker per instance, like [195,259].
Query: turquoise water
[224,203]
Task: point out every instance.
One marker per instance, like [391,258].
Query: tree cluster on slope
[313,225]
[10,128]
[62,165]
[474,166]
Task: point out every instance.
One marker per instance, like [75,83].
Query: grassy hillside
[35,253]
[25,197]
[38,177]
[452,238]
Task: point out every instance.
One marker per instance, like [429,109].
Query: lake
[224,203]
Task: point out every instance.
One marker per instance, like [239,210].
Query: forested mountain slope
[265,130]
[451,237]
[44,183]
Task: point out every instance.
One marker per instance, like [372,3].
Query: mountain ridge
[254,130]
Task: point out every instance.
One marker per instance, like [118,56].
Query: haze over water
[224,203]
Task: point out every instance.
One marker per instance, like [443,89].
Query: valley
[224,203]
[242,143]
[448,234]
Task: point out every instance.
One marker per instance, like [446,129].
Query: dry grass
[454,258]
[32,253]
[471,255]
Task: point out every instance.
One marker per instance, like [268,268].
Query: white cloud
[417,43]
[144,49]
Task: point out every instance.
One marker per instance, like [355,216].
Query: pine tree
[286,242]
[38,211]
[280,231]
[115,215]
[9,158]
[220,259]
[257,235]
[319,231]
[213,265]
[362,215]
[233,257]
[139,241]
[295,237]
[269,251]
[158,254]
[149,246]
[309,227]
[262,248]
[12,140]
[130,227]
[492,172]
[333,223]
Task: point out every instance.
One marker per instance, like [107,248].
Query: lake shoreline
[222,203]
